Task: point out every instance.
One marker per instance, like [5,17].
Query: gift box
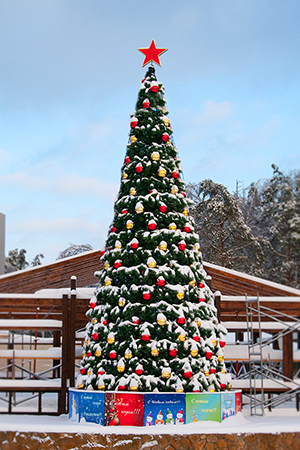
[124,409]
[86,406]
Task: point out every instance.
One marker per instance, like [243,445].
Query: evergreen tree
[152,322]
[225,238]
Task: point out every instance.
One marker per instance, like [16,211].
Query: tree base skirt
[151,409]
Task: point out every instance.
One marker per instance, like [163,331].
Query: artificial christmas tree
[153,323]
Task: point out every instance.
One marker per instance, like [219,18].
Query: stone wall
[80,441]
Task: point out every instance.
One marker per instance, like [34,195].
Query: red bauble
[146,337]
[95,336]
[139,168]
[175,174]
[134,122]
[136,321]
[127,160]
[152,226]
[222,386]
[212,370]
[165,137]
[173,352]
[201,299]
[89,354]
[146,103]
[124,211]
[222,344]
[117,264]
[146,296]
[183,193]
[101,372]
[102,253]
[113,229]
[196,338]
[121,388]
[104,322]
[181,320]
[139,371]
[160,282]
[134,245]
[112,354]
[83,371]
[154,88]
[187,229]
[208,355]
[182,247]
[188,374]
[93,304]
[163,208]
[201,285]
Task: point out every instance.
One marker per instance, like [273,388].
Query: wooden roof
[57,275]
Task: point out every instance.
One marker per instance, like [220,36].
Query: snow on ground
[282,419]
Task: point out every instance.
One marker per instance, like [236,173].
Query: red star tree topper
[152,53]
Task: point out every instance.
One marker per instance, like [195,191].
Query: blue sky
[69,78]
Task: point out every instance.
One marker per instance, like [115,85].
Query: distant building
[2,243]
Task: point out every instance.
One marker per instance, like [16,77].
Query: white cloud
[214,112]
[74,184]
[68,224]
[21,179]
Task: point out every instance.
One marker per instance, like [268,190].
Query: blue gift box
[86,406]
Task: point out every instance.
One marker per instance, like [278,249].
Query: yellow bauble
[162,173]
[155,156]
[80,386]
[101,387]
[133,139]
[179,390]
[111,340]
[124,175]
[98,353]
[198,323]
[180,295]
[120,369]
[172,227]
[165,374]
[139,209]
[106,266]
[167,122]
[118,244]
[229,387]
[214,343]
[185,212]
[174,190]
[223,371]
[94,320]
[132,192]
[152,264]
[128,355]
[194,352]
[161,322]
[163,247]
[169,142]
[206,373]
[211,390]
[122,302]
[197,247]
[155,352]
[133,388]
[181,337]
[89,372]
[192,283]
[87,342]
[83,354]
[129,224]
[220,358]
[107,281]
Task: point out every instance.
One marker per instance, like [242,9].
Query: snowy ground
[282,419]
